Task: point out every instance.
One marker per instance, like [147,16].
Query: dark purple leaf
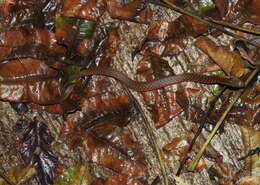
[36,151]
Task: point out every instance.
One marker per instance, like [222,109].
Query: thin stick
[208,19]
[151,136]
[199,130]
[214,23]
[237,94]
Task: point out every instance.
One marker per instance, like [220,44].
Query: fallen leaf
[31,80]
[36,151]
[229,61]
[18,175]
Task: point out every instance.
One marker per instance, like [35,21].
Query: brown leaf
[131,164]
[90,10]
[192,27]
[24,36]
[249,180]
[31,80]
[172,144]
[19,174]
[229,61]
[5,7]
[251,140]
[128,11]
[162,30]
[122,179]
[252,11]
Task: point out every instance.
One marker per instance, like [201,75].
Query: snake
[232,82]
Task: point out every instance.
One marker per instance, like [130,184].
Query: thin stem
[151,137]
[209,19]
[199,130]
[214,23]
[237,94]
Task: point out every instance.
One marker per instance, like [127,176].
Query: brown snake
[166,81]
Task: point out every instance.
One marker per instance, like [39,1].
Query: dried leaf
[251,140]
[249,180]
[229,61]
[18,175]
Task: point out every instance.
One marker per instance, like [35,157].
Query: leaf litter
[37,50]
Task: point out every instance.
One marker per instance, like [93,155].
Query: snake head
[237,83]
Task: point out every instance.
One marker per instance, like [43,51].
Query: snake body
[163,82]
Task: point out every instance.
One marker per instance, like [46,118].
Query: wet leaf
[24,36]
[171,36]
[61,20]
[31,80]
[100,113]
[87,28]
[90,10]
[127,11]
[247,113]
[31,50]
[128,161]
[36,151]
[62,108]
[172,144]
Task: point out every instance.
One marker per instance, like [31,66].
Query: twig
[199,130]
[237,94]
[211,22]
[209,19]
[151,136]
